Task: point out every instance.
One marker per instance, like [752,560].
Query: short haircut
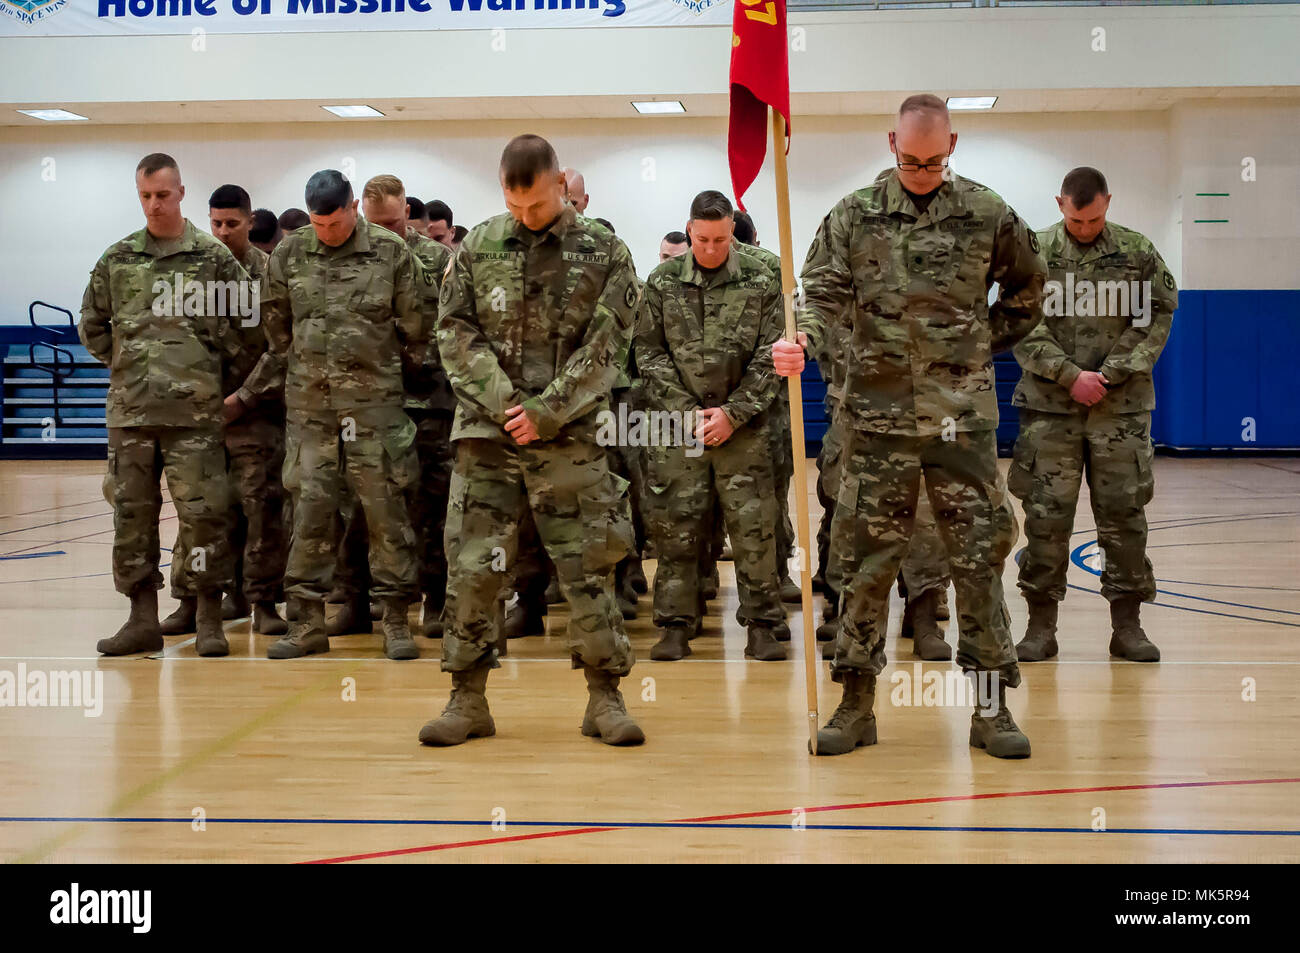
[327,191]
[710,205]
[439,211]
[745,233]
[292,218]
[675,238]
[416,209]
[155,161]
[382,187]
[524,159]
[265,226]
[231,196]
[1083,184]
[606,222]
[926,105]
[458,233]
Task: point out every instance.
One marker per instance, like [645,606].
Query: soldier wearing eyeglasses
[908,262]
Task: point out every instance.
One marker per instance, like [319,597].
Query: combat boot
[941,607]
[998,734]
[181,621]
[710,584]
[1039,642]
[781,631]
[398,644]
[431,626]
[1127,639]
[466,715]
[307,632]
[830,625]
[762,645]
[673,645]
[636,576]
[927,637]
[234,606]
[526,617]
[790,592]
[140,632]
[606,717]
[554,595]
[353,617]
[626,600]
[266,621]
[853,724]
[210,634]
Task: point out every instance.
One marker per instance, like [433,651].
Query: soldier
[910,259]
[158,310]
[534,310]
[254,440]
[782,450]
[1086,399]
[708,321]
[292,219]
[440,222]
[265,232]
[429,402]
[575,190]
[672,245]
[343,317]
[417,216]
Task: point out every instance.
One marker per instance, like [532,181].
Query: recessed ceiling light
[669,106]
[353,112]
[971,102]
[52,115]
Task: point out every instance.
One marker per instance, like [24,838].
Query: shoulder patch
[629,295]
[1168,279]
[1033,242]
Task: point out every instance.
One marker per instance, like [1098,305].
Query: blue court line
[688,825]
[53,552]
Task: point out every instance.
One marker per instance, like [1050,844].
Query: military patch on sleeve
[1033,241]
[629,295]
[1168,279]
[444,295]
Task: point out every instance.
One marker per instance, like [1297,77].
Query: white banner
[155,17]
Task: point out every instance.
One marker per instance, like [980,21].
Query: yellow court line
[203,755]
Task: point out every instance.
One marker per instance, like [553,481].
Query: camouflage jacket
[1109,308]
[773,262]
[706,340]
[914,287]
[537,320]
[343,323]
[167,367]
[426,386]
[253,344]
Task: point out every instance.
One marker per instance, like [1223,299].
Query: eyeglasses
[926,166]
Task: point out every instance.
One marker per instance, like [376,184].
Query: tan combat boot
[1039,642]
[854,723]
[466,715]
[210,634]
[1127,639]
[234,606]
[398,644]
[920,624]
[181,622]
[998,733]
[307,634]
[674,644]
[353,617]
[762,644]
[266,621]
[431,621]
[606,717]
[140,632]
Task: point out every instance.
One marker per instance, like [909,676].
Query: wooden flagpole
[803,534]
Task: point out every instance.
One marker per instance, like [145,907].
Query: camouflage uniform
[1061,440]
[254,460]
[344,324]
[920,370]
[538,320]
[164,401]
[430,404]
[705,341]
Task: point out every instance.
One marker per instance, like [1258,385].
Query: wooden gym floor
[244,759]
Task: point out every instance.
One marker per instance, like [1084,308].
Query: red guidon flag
[760,77]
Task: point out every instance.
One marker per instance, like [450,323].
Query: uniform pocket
[1020,475]
[606,524]
[289,472]
[110,476]
[399,452]
[1145,484]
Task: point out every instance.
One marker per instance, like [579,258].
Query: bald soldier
[537,306]
[1085,410]
[910,260]
[575,189]
[704,345]
[343,318]
[159,311]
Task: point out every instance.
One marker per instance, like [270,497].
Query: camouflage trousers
[874,520]
[829,461]
[680,494]
[782,451]
[582,517]
[1053,453]
[195,463]
[426,504]
[254,462]
[378,464]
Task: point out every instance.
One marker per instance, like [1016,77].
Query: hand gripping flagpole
[796,431]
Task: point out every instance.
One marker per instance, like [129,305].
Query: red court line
[569,832]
